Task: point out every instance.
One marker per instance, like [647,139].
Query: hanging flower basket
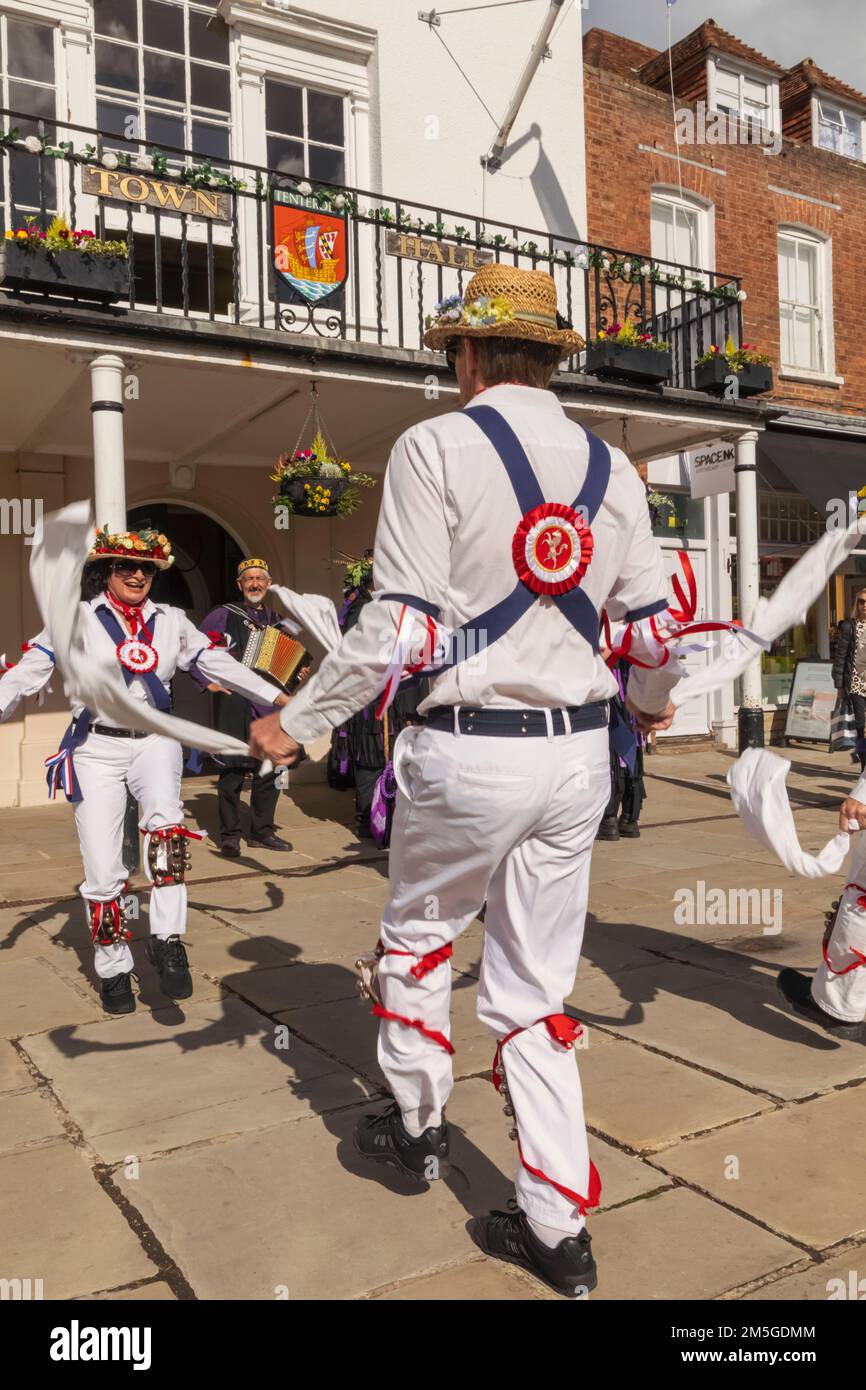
[315,481]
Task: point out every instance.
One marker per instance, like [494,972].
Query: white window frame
[141,103]
[45,22]
[304,140]
[692,203]
[828,100]
[745,72]
[824,302]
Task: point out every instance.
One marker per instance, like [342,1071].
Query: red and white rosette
[552,548]
[137,656]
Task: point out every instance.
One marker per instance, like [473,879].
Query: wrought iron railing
[402,256]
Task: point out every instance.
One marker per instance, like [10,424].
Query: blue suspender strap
[412,601]
[595,483]
[61,766]
[512,454]
[634,615]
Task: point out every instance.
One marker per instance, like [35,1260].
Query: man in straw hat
[96,761]
[505,529]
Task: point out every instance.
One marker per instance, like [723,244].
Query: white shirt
[445,531]
[178,643]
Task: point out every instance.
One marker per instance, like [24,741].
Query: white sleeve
[641,591]
[411,557]
[219,666]
[28,676]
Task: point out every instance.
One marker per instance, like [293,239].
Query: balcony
[201,239]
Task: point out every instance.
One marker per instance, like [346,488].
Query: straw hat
[502,301]
[143,544]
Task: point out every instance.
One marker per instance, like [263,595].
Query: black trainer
[796,990]
[609,829]
[270,842]
[567,1267]
[386,1138]
[629,828]
[117,995]
[168,954]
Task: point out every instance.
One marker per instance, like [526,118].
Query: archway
[202,576]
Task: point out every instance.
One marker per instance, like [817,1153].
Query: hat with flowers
[502,301]
[143,544]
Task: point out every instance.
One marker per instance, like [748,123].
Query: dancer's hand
[852,811]
[268,739]
[281,699]
[650,723]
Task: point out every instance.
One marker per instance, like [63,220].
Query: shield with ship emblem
[309,248]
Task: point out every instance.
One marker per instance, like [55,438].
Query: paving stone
[734,1028]
[61,1227]
[14,1076]
[143,1083]
[478,1281]
[799,1168]
[839,1278]
[26,1119]
[33,998]
[680,1245]
[647,1101]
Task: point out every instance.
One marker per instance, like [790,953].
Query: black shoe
[568,1267]
[386,1137]
[231,849]
[796,990]
[168,954]
[629,828]
[117,995]
[609,829]
[270,842]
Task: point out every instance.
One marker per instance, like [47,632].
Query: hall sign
[143,191]
[445,253]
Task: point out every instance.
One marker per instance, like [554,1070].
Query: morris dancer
[233,715]
[97,762]
[503,788]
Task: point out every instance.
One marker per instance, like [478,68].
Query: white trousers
[840,987]
[512,821]
[151,767]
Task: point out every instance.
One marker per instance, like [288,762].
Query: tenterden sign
[711,468]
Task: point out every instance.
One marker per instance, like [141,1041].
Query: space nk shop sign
[309,249]
[711,468]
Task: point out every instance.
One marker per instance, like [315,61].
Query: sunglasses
[132,566]
[451,353]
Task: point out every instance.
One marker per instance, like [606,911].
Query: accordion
[273,653]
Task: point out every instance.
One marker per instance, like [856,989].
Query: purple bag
[382,809]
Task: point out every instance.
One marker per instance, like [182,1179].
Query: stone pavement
[186,1152]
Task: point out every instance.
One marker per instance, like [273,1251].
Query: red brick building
[750,169]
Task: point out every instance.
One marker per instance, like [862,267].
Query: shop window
[163,78]
[306,132]
[27,87]
[675,515]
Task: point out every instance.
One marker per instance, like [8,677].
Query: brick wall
[623,114]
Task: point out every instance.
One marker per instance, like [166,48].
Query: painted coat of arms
[309,246]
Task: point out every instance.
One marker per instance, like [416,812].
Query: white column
[748,580]
[109,476]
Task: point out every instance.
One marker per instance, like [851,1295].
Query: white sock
[551,1235]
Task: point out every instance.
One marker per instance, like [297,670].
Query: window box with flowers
[629,353]
[61,261]
[751,368]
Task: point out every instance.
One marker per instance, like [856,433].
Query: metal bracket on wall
[429,17]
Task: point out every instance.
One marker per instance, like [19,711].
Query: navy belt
[116,733]
[514,723]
